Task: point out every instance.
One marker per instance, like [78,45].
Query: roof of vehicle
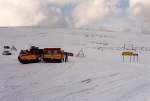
[52,48]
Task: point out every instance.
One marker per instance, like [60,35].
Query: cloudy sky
[71,13]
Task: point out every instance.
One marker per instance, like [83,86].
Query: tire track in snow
[140,93]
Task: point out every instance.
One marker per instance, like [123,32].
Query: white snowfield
[99,76]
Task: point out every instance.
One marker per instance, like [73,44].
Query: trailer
[53,55]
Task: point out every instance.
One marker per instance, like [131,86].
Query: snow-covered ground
[99,76]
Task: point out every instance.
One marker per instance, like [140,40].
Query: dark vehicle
[6,47]
[6,53]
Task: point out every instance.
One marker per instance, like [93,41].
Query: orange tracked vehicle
[30,56]
[34,55]
[53,55]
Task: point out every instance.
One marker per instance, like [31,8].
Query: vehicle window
[55,52]
[49,52]
[59,51]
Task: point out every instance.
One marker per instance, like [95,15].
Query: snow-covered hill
[100,76]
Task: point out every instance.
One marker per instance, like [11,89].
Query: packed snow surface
[99,76]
